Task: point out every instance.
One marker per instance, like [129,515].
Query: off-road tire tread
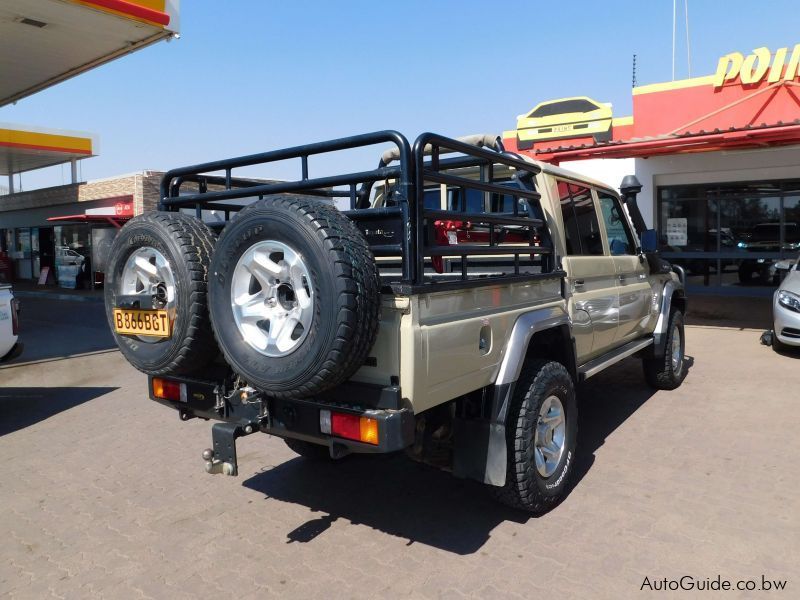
[195,241]
[520,490]
[359,293]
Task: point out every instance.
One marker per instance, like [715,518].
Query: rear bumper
[297,419]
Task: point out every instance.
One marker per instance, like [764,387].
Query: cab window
[581,228]
[620,240]
[475,201]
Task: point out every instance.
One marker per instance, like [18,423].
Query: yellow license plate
[131,321]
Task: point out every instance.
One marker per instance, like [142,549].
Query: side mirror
[649,241]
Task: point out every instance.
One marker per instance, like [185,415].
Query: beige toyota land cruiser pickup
[449,307]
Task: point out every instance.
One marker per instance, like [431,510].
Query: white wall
[607,170]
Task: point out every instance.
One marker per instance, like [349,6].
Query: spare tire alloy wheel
[163,259]
[147,273]
[272,298]
[294,296]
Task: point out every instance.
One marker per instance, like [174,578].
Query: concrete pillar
[10,183]
[74,169]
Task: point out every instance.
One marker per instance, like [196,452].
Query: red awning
[104,219]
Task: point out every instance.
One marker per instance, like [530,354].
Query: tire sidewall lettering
[162,232]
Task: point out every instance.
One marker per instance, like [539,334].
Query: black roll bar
[402,227]
[434,145]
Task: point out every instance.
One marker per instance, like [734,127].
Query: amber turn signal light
[349,427]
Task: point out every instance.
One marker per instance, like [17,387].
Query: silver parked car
[786,309]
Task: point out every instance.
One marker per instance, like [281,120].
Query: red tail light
[15,316]
[349,427]
[169,390]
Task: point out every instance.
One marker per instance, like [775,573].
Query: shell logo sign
[758,65]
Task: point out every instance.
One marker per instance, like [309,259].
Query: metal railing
[404,229]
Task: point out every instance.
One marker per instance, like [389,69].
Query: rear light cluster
[349,427]
[169,390]
[14,316]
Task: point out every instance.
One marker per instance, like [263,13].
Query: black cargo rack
[403,227]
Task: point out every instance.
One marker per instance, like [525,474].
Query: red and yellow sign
[753,68]
[153,12]
[34,140]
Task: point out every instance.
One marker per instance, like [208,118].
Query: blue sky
[248,76]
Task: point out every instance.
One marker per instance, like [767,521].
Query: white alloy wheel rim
[272,298]
[147,273]
[550,437]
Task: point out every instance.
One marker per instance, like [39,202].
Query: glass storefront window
[73,255]
[791,224]
[20,253]
[684,226]
[730,235]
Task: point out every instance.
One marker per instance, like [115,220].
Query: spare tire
[163,258]
[294,296]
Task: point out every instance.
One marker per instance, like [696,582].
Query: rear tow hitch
[222,458]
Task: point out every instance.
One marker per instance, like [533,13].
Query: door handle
[621,277]
[578,283]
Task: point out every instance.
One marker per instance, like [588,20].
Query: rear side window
[581,228]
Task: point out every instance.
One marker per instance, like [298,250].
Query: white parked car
[786,310]
[9,324]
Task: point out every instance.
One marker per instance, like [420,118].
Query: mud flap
[480,451]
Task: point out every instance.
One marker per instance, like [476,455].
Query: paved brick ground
[103,492]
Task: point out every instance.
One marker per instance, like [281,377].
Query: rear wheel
[541,433]
[160,260]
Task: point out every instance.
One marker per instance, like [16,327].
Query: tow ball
[222,458]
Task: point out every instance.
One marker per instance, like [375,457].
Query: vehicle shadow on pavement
[605,402]
[22,407]
[424,505]
[392,494]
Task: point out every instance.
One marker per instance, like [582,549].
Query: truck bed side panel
[456,340]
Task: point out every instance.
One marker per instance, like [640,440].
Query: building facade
[68,229]
[718,157]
